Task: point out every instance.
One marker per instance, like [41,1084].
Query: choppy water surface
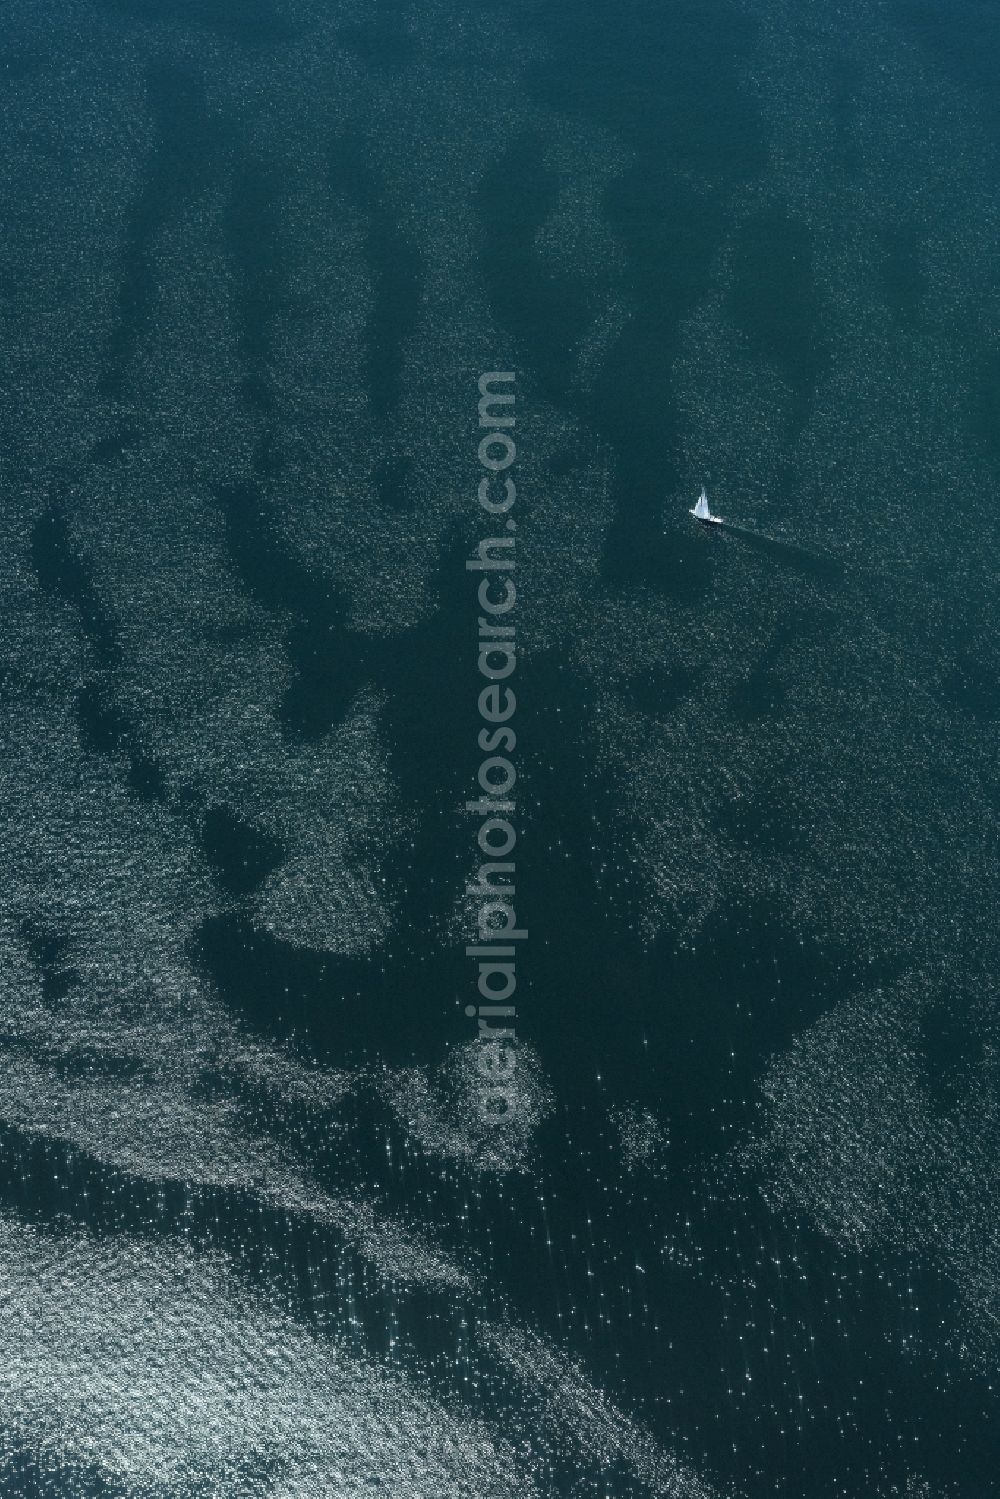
[737,1235]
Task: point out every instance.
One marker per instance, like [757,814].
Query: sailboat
[701,511]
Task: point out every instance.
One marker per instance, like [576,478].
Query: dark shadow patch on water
[49,949]
[953,1053]
[960,40]
[64,575]
[326,672]
[18,63]
[675,565]
[984,412]
[739,994]
[658,691]
[382,41]
[401,1002]
[672,233]
[670,229]
[658,79]
[776,306]
[395,264]
[392,479]
[253,239]
[429,722]
[972,686]
[763,691]
[686,1028]
[904,281]
[260,24]
[845,82]
[583,968]
[105,729]
[110,449]
[760,694]
[566,462]
[240,855]
[546,311]
[282,991]
[766,824]
[184,159]
[432,717]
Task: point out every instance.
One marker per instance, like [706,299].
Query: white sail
[702,512]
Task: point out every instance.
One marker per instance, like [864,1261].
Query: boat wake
[789,552]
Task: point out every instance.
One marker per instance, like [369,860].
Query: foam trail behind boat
[790,551]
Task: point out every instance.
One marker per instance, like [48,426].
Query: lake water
[734,1230]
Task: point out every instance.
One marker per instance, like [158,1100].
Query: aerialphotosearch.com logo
[493,892]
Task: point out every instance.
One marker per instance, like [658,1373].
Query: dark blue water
[734,1232]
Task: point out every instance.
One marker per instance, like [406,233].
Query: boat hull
[707,520]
